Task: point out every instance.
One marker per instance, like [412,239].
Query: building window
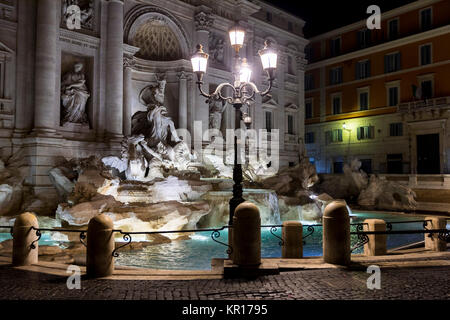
[309,81]
[308,109]
[394,163]
[290,63]
[268,121]
[2,80]
[290,27]
[309,137]
[335,75]
[336,104]
[364,133]
[335,47]
[362,69]
[426,19]
[363,100]
[333,136]
[392,62]
[393,96]
[393,29]
[364,38]
[425,54]
[309,53]
[427,89]
[366,165]
[396,129]
[338,167]
[269,16]
[290,123]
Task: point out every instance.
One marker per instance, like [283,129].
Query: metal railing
[215,233]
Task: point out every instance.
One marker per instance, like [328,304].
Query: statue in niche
[216,109]
[74,96]
[216,48]
[154,123]
[154,146]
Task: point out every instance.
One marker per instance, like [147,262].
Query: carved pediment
[5,49]
[291,107]
[269,101]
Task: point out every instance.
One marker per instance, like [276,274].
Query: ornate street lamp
[243,92]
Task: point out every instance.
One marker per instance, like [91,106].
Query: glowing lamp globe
[199,62]
[237,35]
[268,59]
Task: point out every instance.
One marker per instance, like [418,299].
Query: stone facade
[125,46]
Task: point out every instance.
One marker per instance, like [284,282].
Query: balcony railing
[426,104]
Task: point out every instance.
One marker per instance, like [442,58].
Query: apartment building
[382,95]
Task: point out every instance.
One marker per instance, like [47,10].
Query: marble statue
[154,123]
[74,96]
[154,145]
[216,108]
[216,46]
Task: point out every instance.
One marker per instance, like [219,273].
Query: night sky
[322,16]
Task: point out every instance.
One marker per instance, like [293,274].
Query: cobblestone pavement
[396,283]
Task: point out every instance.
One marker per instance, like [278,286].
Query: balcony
[424,105]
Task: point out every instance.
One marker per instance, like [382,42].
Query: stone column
[114,76]
[301,63]
[46,96]
[182,104]
[24,68]
[128,64]
[203,23]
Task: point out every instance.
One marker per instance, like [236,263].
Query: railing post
[432,241]
[23,237]
[100,246]
[292,235]
[247,236]
[377,242]
[336,234]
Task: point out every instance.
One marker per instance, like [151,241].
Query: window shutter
[368,69]
[386,61]
[358,133]
[371,132]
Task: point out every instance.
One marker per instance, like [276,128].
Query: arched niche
[164,34]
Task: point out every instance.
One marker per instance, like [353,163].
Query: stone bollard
[336,234]
[23,237]
[247,236]
[377,242]
[292,236]
[434,243]
[100,246]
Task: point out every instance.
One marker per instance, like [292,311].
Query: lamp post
[243,92]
